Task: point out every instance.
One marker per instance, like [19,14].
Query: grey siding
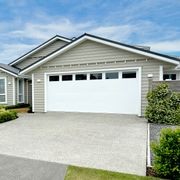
[39,54]
[90,55]
[9,86]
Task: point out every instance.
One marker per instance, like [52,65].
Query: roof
[9,69]
[39,47]
[116,44]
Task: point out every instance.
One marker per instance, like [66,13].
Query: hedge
[7,115]
[167,154]
[163,105]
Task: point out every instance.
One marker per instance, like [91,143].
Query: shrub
[167,153]
[163,105]
[6,115]
[20,105]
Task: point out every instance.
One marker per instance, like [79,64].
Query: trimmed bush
[6,115]
[163,105]
[21,105]
[167,154]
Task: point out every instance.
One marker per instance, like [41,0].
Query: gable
[40,54]
[92,52]
[109,43]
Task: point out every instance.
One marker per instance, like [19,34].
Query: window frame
[81,79]
[129,72]
[5,90]
[54,81]
[22,91]
[66,79]
[169,74]
[95,73]
[111,72]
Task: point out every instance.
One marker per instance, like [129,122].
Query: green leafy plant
[6,115]
[163,105]
[20,105]
[167,153]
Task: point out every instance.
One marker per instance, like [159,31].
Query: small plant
[167,154]
[6,115]
[163,105]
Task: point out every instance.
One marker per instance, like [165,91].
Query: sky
[24,24]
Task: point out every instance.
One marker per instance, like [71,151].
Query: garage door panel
[106,96]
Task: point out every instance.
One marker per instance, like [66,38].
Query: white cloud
[10,52]
[165,46]
[45,27]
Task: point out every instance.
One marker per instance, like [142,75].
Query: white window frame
[22,91]
[5,90]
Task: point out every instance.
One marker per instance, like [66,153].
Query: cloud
[9,52]
[165,46]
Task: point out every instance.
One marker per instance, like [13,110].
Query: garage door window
[126,75]
[95,76]
[81,76]
[67,77]
[53,78]
[112,75]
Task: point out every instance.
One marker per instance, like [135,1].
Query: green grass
[79,173]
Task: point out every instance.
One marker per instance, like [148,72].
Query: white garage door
[103,92]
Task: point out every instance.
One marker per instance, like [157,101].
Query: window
[126,75]
[21,91]
[66,77]
[81,76]
[53,78]
[95,76]
[112,75]
[169,76]
[2,90]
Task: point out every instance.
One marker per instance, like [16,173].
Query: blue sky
[24,24]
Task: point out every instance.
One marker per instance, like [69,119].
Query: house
[85,74]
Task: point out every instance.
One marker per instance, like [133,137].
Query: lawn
[79,173]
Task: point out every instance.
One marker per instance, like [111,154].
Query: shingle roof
[9,68]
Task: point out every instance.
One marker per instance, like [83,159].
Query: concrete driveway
[103,141]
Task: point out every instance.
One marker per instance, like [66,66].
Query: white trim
[14,91]
[140,90]
[2,69]
[161,73]
[148,147]
[22,90]
[32,92]
[45,92]
[40,47]
[5,90]
[100,41]
[27,91]
[94,70]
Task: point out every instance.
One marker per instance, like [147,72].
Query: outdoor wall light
[38,80]
[150,75]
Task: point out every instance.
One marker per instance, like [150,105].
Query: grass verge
[79,173]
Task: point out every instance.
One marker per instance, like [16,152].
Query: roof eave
[57,37]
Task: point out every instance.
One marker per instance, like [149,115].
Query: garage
[110,91]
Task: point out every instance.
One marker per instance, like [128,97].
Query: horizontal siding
[90,55]
[43,52]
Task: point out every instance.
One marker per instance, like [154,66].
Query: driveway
[104,141]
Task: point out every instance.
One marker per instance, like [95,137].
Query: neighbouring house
[85,74]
